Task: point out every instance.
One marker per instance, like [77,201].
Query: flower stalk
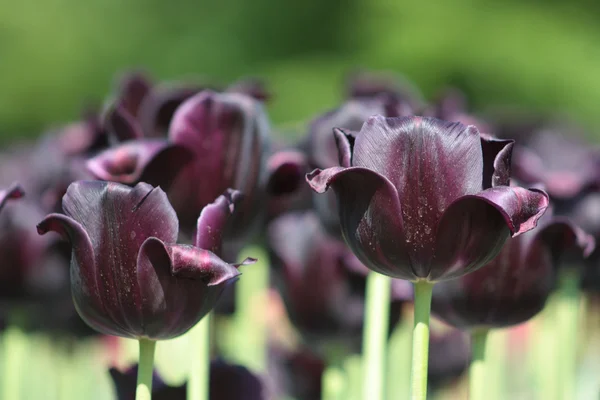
[478,371]
[198,385]
[420,355]
[377,310]
[146,364]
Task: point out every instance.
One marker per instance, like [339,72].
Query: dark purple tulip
[228,133]
[128,276]
[227,382]
[515,285]
[449,356]
[564,164]
[421,198]
[321,281]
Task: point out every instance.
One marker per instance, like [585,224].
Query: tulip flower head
[128,277]
[424,199]
[515,285]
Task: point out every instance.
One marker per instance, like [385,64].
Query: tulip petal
[118,219]
[179,285]
[122,125]
[344,141]
[213,220]
[496,161]
[87,295]
[368,205]
[153,161]
[473,229]
[14,191]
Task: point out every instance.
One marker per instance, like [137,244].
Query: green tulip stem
[250,302]
[377,311]
[145,367]
[568,328]
[420,353]
[198,384]
[333,383]
[478,376]
[14,349]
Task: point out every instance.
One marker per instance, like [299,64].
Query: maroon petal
[153,161]
[132,90]
[14,191]
[474,228]
[344,142]
[179,285]
[496,161]
[122,125]
[370,218]
[212,221]
[86,290]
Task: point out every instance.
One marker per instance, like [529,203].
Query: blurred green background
[57,55]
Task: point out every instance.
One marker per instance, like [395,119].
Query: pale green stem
[497,364]
[198,384]
[377,311]
[14,348]
[420,353]
[334,382]
[568,328]
[250,303]
[398,373]
[145,367]
[547,345]
[478,374]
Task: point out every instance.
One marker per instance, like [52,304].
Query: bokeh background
[57,55]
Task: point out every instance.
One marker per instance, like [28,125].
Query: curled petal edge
[212,221]
[521,208]
[189,262]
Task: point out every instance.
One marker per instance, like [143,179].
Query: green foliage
[59,54]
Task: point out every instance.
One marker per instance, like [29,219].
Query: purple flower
[227,133]
[422,198]
[515,285]
[321,281]
[128,277]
